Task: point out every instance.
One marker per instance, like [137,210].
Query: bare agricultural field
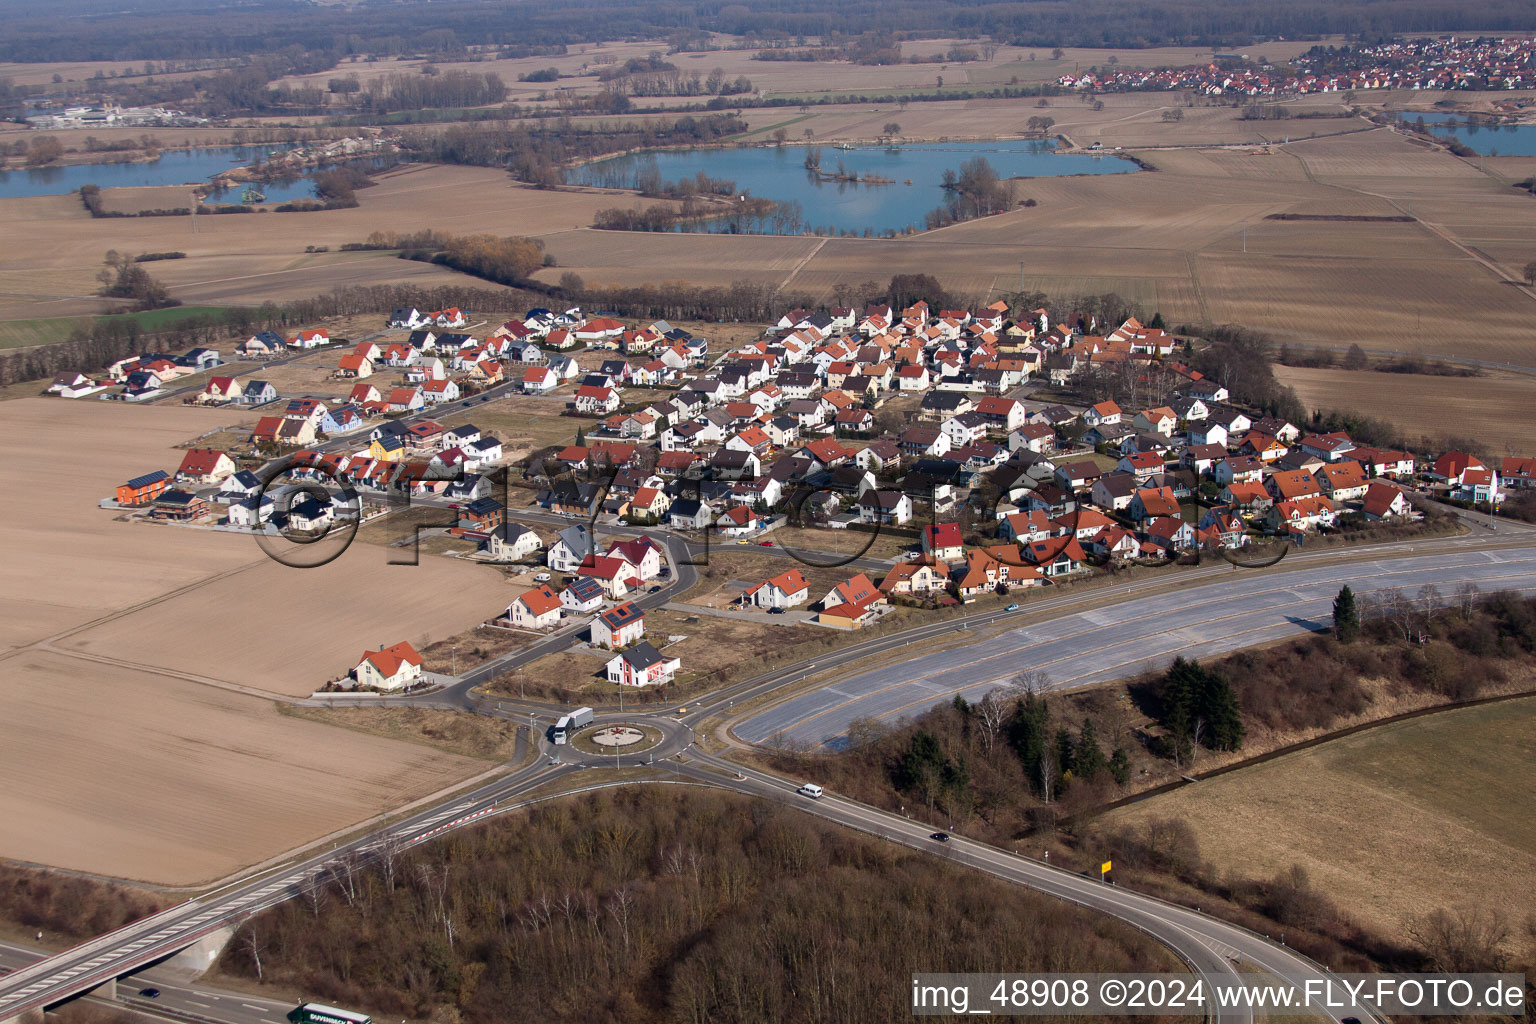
[68,561]
[1384,304]
[55,249]
[632,257]
[122,773]
[287,631]
[1380,153]
[1433,793]
[1493,410]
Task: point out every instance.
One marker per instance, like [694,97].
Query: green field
[51,330]
[1390,822]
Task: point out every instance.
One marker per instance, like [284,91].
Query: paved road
[1209,946]
[1248,607]
[177,995]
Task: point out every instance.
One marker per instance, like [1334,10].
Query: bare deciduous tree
[1034,681]
[991,713]
[1465,940]
[253,944]
[1466,598]
[1047,777]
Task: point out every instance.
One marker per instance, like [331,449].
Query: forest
[203,29]
[662,904]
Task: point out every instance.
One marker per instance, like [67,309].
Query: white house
[538,608]
[510,542]
[619,626]
[785,590]
[574,544]
[389,668]
[642,665]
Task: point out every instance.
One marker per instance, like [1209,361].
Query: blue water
[174,167]
[1488,140]
[778,172]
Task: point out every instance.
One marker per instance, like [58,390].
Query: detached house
[389,668]
[538,608]
[619,626]
[785,590]
[205,466]
[642,665]
[943,542]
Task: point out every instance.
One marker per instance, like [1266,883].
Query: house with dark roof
[642,665]
[619,626]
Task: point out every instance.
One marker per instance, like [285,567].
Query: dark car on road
[150,993]
[942,837]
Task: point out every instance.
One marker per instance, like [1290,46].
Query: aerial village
[923,429]
[1467,62]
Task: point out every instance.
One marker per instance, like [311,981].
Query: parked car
[542,577]
[775,611]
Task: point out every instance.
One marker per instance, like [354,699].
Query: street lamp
[453,650]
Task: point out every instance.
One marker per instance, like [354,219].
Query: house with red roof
[615,572]
[739,521]
[539,379]
[1385,501]
[596,400]
[1519,472]
[538,608]
[1056,556]
[856,590]
[406,399]
[1102,414]
[220,389]
[1450,467]
[205,466]
[439,391]
[943,541]
[354,366]
[785,590]
[389,668]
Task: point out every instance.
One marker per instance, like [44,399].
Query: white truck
[568,724]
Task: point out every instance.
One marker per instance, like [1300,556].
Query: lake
[779,172]
[1488,140]
[174,167]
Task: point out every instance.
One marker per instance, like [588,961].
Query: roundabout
[633,742]
[612,736]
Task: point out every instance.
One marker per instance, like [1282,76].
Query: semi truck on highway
[578,719]
[319,1013]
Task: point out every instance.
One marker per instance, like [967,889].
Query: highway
[178,997]
[1244,609]
[1210,947]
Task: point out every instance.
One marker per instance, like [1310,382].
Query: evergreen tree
[1346,616]
[1120,766]
[1218,706]
[1157,323]
[1066,755]
[1027,734]
[581,438]
[1088,759]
